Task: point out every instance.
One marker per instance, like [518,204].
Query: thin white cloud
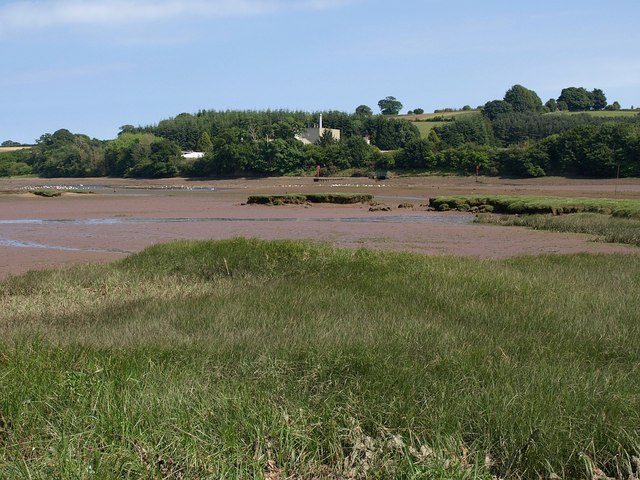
[57,74]
[34,14]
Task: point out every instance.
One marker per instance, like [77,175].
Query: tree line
[515,137]
[592,149]
[512,136]
[233,142]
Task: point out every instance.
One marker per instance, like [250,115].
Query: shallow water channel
[428,218]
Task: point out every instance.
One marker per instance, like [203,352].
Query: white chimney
[320,126]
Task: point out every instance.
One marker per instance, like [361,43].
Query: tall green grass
[610,229]
[532,204]
[252,359]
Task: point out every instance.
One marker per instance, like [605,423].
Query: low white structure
[313,134]
[192,155]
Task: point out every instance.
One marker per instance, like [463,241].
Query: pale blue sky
[92,66]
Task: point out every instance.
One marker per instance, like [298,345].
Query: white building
[192,155]
[313,134]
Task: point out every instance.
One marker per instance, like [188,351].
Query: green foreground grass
[253,359]
[534,204]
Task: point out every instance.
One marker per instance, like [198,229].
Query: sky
[94,66]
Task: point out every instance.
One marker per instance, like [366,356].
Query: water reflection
[432,218]
[7,242]
[83,187]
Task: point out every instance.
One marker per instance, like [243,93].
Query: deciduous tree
[364,110]
[523,100]
[492,109]
[598,99]
[390,106]
[577,99]
[552,105]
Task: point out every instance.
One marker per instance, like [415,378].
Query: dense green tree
[63,154]
[160,161]
[598,99]
[522,161]
[183,130]
[119,153]
[348,125]
[204,143]
[465,158]
[230,155]
[419,153]
[357,151]
[382,162]
[494,108]
[142,155]
[327,138]
[390,133]
[364,110]
[470,128]
[418,111]
[552,105]
[433,137]
[10,143]
[522,99]
[278,157]
[520,127]
[595,150]
[614,106]
[14,163]
[390,106]
[127,129]
[576,99]
[287,128]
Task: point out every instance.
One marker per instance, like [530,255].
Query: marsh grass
[607,228]
[253,359]
[296,199]
[532,205]
[56,192]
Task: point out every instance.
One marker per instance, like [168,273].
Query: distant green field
[426,127]
[426,116]
[424,124]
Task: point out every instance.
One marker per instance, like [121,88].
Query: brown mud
[124,216]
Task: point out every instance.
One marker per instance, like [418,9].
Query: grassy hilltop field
[278,359]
